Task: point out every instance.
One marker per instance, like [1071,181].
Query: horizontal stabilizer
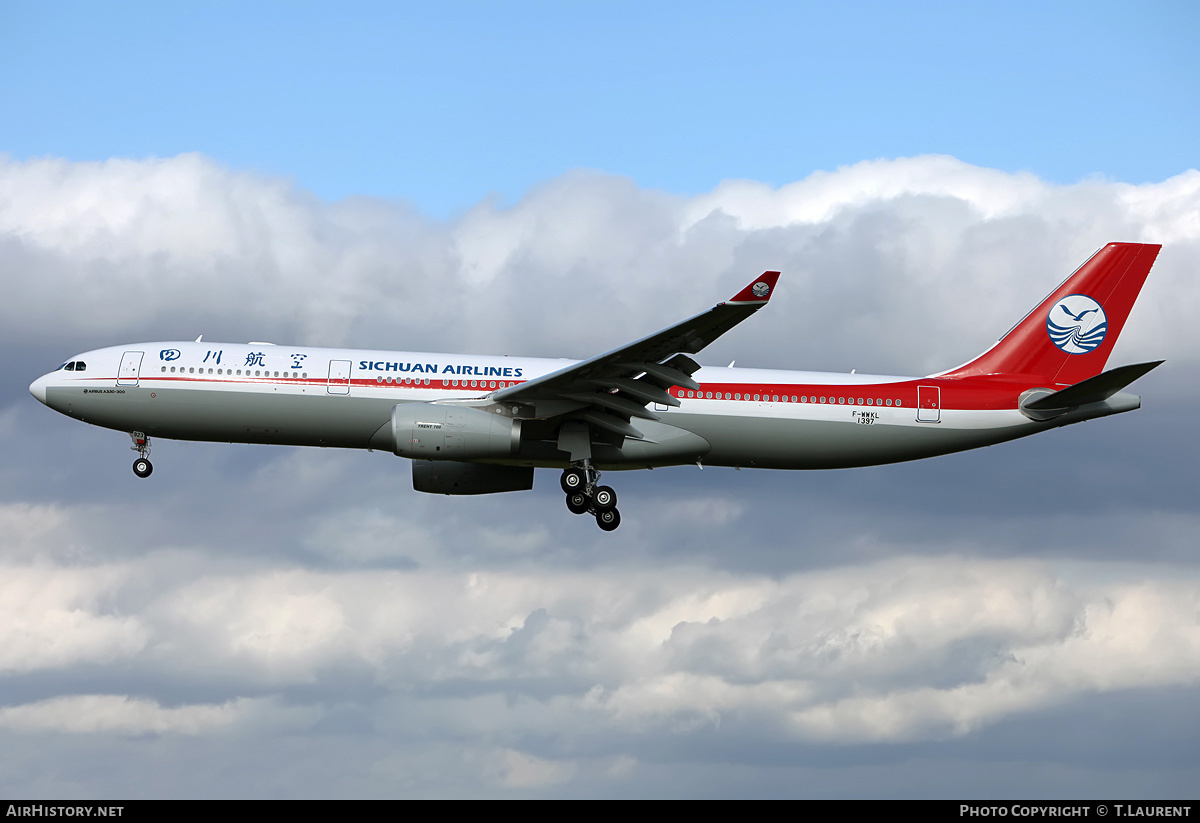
[1093,390]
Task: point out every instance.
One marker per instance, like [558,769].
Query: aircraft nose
[38,388]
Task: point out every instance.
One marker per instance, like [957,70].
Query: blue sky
[443,104]
[557,179]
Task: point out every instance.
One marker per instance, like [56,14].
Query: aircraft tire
[573,480]
[604,498]
[578,502]
[142,467]
[608,520]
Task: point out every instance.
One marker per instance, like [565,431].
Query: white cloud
[822,195]
[119,714]
[901,265]
[524,771]
[56,617]
[906,649]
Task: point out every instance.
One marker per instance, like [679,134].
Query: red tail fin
[1069,336]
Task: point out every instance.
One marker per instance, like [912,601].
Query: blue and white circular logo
[760,289]
[1077,324]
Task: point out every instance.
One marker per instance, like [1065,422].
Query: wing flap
[675,372]
[628,408]
[640,390]
[612,424]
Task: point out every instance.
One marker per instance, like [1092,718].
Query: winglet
[759,291]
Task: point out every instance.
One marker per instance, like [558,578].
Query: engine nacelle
[452,477]
[433,431]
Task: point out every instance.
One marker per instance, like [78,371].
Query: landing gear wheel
[608,520]
[604,498]
[574,480]
[142,467]
[578,502]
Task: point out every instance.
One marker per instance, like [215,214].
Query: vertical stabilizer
[1070,335]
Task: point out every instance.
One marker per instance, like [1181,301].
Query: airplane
[475,424]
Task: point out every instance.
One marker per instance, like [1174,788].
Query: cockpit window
[63,366]
[70,366]
[80,365]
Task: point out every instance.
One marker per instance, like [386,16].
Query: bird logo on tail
[1077,324]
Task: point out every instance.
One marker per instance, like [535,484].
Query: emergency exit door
[929,404]
[339,377]
[131,367]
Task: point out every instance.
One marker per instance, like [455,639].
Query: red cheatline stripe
[955,393]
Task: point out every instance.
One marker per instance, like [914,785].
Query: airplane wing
[608,390]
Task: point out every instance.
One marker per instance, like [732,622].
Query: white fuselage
[261,393]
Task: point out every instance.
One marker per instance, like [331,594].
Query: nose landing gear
[141,444]
[583,495]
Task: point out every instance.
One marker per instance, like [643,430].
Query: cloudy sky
[550,179]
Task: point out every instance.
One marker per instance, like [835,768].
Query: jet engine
[434,431]
[453,477]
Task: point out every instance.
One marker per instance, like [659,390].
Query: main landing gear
[583,495]
[141,444]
